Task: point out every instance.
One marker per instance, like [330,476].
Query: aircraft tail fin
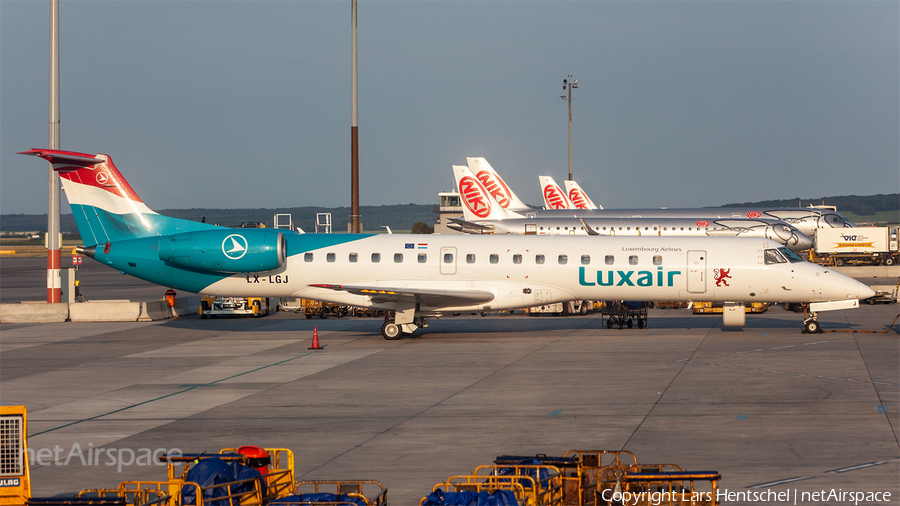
[554,196]
[478,203]
[495,184]
[578,197]
[104,205]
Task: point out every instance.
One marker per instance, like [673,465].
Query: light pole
[569,84]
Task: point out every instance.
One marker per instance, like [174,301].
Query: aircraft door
[448,260]
[696,267]
[530,229]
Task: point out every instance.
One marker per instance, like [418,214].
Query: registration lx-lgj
[418,276]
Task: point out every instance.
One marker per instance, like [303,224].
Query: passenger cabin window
[470,258]
[610,259]
[657,260]
[585,259]
[353,258]
[448,258]
[517,259]
[539,259]
[329,257]
[495,258]
[424,258]
[563,259]
[398,258]
[308,257]
[376,257]
[632,260]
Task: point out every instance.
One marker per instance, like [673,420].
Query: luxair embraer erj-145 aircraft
[484,215]
[417,276]
[804,219]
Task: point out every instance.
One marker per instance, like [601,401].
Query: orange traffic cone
[315,343]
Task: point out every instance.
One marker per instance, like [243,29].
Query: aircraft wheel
[391,331]
[811,327]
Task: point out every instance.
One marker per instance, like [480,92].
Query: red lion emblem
[721,276]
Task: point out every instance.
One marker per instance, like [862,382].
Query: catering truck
[856,246]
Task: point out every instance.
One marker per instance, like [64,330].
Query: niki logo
[721,276]
[496,188]
[473,196]
[102,178]
[702,223]
[554,197]
[578,198]
[754,214]
[234,246]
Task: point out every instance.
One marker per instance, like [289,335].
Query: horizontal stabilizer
[62,159]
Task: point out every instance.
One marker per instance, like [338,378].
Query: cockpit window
[773,256]
[791,256]
[835,220]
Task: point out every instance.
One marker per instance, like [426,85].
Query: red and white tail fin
[554,196]
[104,205]
[578,197]
[495,185]
[478,204]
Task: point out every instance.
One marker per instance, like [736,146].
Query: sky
[246,104]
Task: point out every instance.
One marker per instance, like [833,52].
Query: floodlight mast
[569,84]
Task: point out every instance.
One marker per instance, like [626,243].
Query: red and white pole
[54,281]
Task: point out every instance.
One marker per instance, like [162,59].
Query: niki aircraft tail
[105,207]
[554,196]
[494,184]
[578,197]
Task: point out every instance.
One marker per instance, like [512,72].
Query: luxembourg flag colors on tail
[105,207]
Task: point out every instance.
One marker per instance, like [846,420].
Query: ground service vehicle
[246,476]
[578,478]
[627,313]
[718,307]
[856,246]
[233,306]
[572,307]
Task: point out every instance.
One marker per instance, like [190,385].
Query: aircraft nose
[865,292]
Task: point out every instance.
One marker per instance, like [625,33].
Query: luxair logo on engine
[554,197]
[474,197]
[234,246]
[577,198]
[496,188]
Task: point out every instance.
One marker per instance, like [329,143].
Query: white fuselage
[521,271]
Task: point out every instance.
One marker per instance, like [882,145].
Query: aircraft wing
[422,296]
[470,228]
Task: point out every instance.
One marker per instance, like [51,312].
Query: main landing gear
[391,330]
